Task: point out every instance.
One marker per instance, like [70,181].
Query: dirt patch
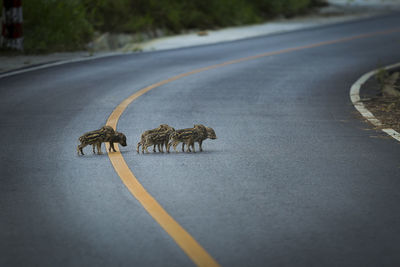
[385,109]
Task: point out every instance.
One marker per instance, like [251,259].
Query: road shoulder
[382,112]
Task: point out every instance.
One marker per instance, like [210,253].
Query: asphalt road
[295,178]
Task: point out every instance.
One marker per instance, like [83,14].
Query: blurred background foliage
[177,15]
[54,25]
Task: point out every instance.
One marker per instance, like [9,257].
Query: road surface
[295,178]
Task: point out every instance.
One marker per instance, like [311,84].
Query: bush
[131,16]
[52,25]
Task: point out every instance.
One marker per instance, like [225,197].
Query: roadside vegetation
[385,103]
[52,25]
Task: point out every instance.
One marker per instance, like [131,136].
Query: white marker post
[11,30]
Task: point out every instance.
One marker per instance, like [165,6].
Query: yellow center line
[187,243]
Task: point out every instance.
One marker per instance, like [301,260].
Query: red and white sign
[11,20]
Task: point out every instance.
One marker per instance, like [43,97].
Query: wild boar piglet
[97,137]
[163,128]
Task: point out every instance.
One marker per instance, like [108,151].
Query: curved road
[294,178]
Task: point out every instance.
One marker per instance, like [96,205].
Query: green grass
[381,77]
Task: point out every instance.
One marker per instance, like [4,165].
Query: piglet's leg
[112,147]
[80,148]
[192,144]
[99,148]
[175,144]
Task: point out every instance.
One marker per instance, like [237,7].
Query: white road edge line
[355,98]
[57,63]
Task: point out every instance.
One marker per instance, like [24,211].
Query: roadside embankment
[111,44]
